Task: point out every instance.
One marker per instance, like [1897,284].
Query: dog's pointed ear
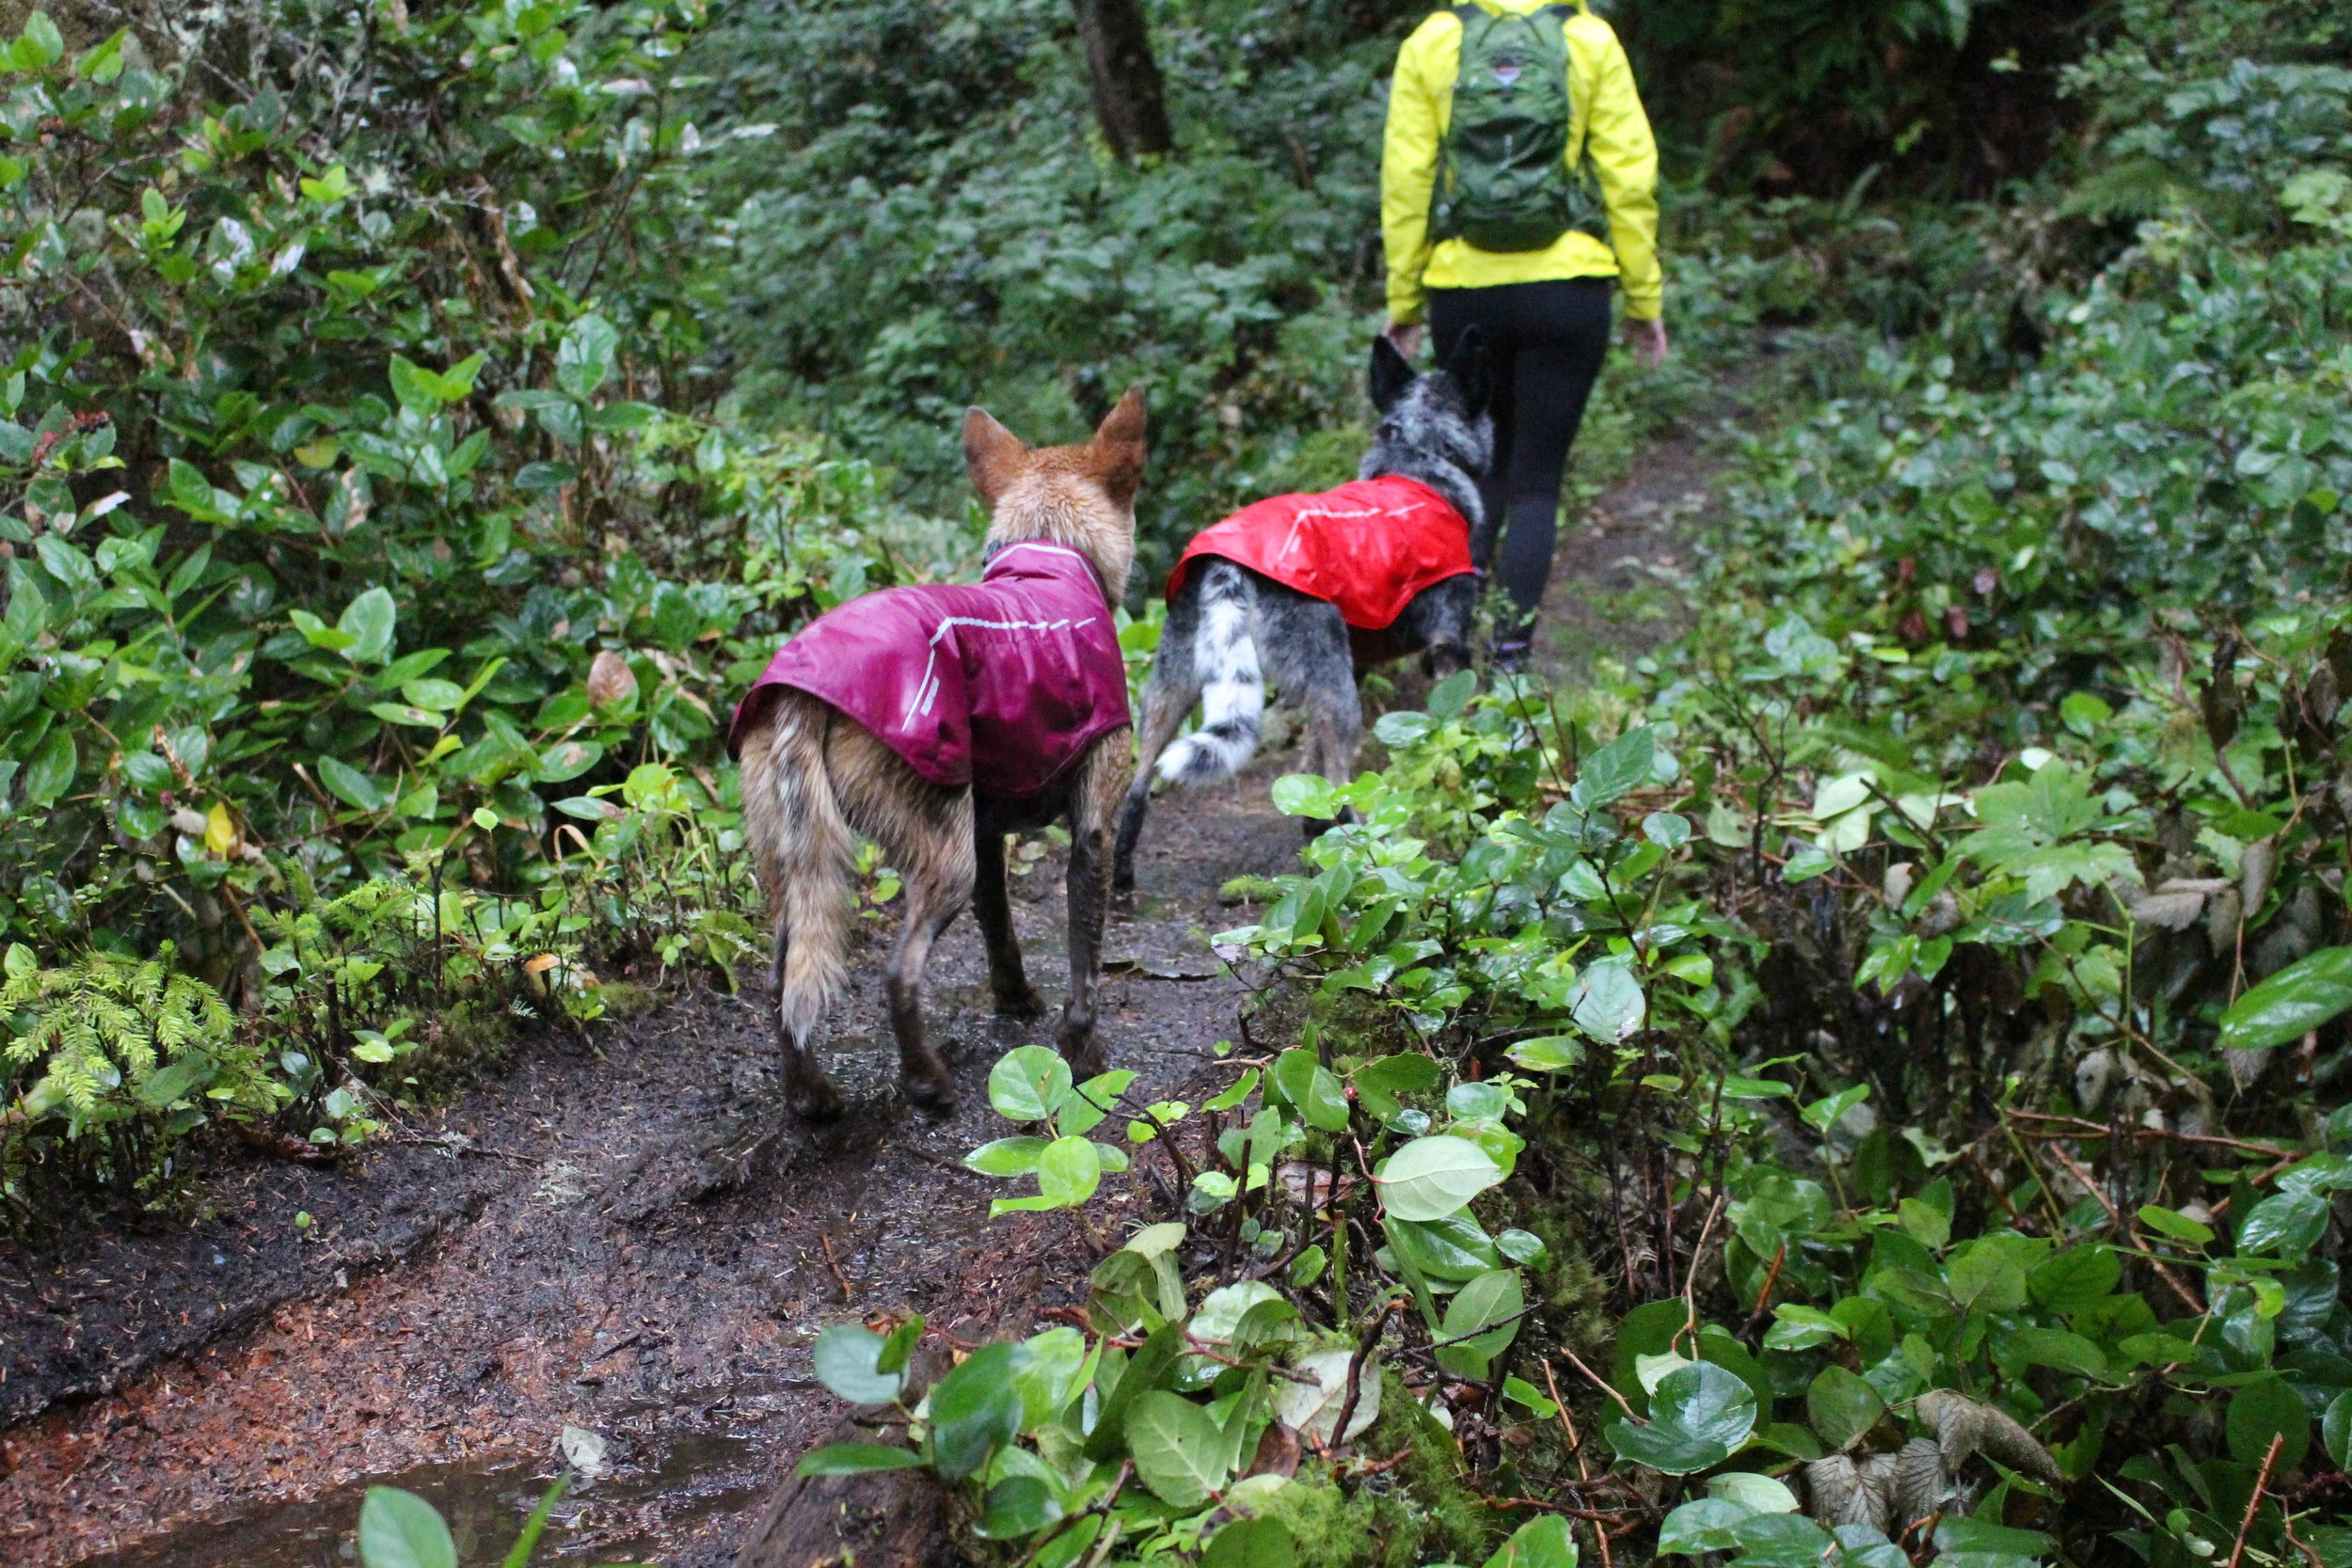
[1473,369]
[1116,455]
[992,456]
[1391,372]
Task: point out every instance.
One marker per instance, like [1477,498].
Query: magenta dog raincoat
[1000,684]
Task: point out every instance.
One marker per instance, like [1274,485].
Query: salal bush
[1855,1307]
[1343,1282]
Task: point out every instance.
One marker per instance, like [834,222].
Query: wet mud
[631,1236]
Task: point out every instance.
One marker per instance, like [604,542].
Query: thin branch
[1356,1366]
[2278,1441]
[1594,1378]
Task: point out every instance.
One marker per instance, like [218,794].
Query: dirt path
[1621,574]
[647,1248]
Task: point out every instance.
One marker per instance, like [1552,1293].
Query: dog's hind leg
[1173,689]
[803,848]
[1315,674]
[935,896]
[936,857]
[1335,721]
[1007,980]
[1093,795]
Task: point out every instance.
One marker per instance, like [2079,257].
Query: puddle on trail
[614,1520]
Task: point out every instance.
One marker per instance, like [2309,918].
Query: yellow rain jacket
[1606,119]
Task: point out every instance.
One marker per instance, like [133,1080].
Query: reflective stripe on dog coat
[1000,684]
[1367,548]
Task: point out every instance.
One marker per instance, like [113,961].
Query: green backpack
[1504,181]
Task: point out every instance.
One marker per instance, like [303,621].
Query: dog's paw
[933,1097]
[1084,1055]
[818,1102]
[1024,1002]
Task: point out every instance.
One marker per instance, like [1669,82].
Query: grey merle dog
[1230,628]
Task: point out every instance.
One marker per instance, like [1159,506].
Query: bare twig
[2090,1183]
[283,1145]
[2278,1441]
[1576,1447]
[1691,1274]
[1482,1328]
[1598,1383]
[1764,1296]
[455,1146]
[2077,1126]
[1356,1366]
[831,1262]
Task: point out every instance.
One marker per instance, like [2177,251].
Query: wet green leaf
[976,1408]
[1179,1452]
[2292,1002]
[855,1459]
[2177,1225]
[2262,1409]
[848,1358]
[1698,1416]
[1432,1177]
[1029,1084]
[400,1529]
[1006,1156]
[1311,1088]
[1543,1542]
[1616,769]
[1261,1542]
[1842,1407]
[2284,1222]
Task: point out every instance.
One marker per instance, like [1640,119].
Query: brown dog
[916,744]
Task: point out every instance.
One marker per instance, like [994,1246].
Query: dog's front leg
[1093,802]
[1007,980]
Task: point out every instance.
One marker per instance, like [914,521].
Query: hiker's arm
[1408,168]
[1625,155]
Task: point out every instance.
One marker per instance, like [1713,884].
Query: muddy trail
[629,1236]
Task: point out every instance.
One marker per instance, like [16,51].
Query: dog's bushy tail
[806,856]
[1232,690]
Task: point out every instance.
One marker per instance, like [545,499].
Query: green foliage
[119,1057]
[913,237]
[277,618]
[362,1001]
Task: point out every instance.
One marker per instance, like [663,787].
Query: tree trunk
[1129,101]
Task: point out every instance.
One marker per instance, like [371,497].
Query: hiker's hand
[1406,335]
[1647,338]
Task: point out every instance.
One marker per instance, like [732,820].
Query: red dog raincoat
[1367,548]
[1000,685]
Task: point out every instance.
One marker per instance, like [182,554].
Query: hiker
[1517,178]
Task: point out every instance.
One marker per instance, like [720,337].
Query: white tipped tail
[1233,691]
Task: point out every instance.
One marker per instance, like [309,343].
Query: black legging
[1548,341]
